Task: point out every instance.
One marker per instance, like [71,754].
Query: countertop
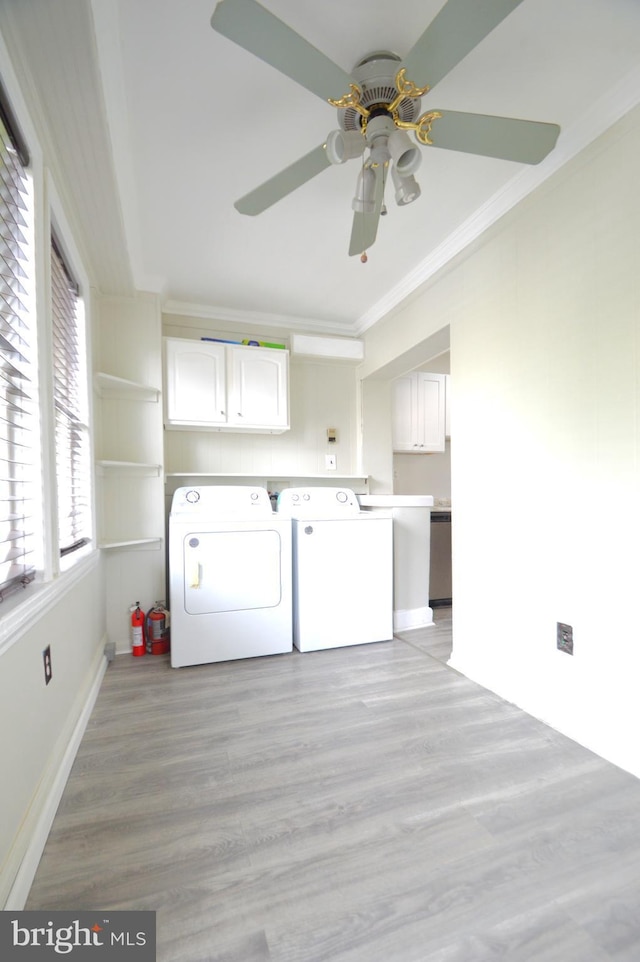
[396,501]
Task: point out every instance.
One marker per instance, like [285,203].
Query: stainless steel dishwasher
[440,567]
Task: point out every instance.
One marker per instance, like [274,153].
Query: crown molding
[245,318]
[599,118]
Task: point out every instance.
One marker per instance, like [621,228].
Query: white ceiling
[194,122]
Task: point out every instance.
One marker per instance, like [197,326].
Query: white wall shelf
[273,482]
[135,543]
[107,385]
[130,467]
[129,445]
[329,476]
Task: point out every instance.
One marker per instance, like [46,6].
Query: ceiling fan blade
[365,226]
[252,27]
[525,141]
[451,35]
[284,183]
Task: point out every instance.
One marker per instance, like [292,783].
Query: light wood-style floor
[364,804]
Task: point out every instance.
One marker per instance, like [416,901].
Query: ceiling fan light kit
[406,158]
[343,145]
[407,188]
[379,103]
[364,198]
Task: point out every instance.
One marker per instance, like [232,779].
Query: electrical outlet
[564,638]
[46,656]
[330,462]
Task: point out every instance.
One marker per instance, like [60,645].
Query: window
[73,472]
[27,416]
[18,414]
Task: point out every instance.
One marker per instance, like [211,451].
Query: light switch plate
[330,462]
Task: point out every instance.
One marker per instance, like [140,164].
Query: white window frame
[20,493]
[59,227]
[55,576]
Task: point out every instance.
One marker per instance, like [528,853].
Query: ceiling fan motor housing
[375,74]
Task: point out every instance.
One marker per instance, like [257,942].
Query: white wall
[38,721]
[544,319]
[424,474]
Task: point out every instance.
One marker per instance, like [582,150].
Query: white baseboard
[404,619]
[48,799]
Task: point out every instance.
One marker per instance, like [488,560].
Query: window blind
[17,348]
[71,410]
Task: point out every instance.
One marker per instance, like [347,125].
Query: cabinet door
[431,405]
[447,406]
[195,382]
[258,387]
[404,422]
[418,413]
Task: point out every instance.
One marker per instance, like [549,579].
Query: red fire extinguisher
[137,630]
[157,629]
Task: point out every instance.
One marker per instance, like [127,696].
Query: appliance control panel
[222,501]
[318,503]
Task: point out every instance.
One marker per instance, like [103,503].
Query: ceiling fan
[379,103]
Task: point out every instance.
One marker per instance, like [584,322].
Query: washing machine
[230,583]
[342,569]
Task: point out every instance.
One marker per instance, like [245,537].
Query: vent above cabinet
[337,348]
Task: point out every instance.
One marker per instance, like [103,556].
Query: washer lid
[395,500]
[318,503]
[222,502]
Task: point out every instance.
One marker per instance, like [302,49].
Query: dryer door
[231,571]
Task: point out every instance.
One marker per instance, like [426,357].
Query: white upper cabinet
[403,422]
[419,413]
[195,382]
[226,387]
[258,389]
[447,407]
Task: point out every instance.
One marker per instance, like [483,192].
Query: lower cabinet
[226,387]
[418,421]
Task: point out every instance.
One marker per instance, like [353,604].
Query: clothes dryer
[342,569]
[229,575]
